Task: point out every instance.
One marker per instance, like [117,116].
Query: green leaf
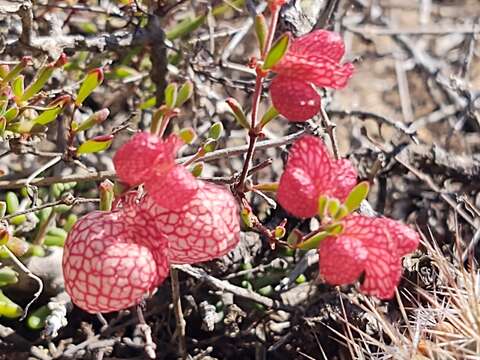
[185,93]
[357,195]
[12,201]
[261,30]
[11,113]
[227,5]
[8,275]
[171,95]
[44,74]
[185,27]
[3,126]
[55,108]
[106,195]
[97,144]
[279,232]
[12,74]
[334,229]
[123,72]
[18,86]
[216,130]
[333,205]
[55,237]
[149,103]
[269,115]
[238,112]
[341,213]
[71,220]
[209,145]
[48,116]
[8,308]
[313,241]
[36,320]
[3,208]
[96,118]
[322,205]
[197,169]
[93,80]
[188,135]
[277,51]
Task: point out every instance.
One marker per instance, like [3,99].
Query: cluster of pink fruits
[112,260]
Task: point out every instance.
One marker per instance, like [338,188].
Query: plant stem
[253,134]
[177,306]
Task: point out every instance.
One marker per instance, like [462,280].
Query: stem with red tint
[253,133]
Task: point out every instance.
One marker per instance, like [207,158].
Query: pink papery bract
[370,245]
[313,59]
[311,172]
[150,160]
[205,228]
[108,265]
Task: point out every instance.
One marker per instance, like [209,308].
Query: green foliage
[276,53]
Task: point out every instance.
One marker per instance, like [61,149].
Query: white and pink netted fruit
[108,266]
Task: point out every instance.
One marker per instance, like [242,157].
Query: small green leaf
[238,112]
[4,70]
[96,118]
[71,220]
[300,279]
[188,135]
[8,275]
[123,72]
[48,116]
[12,202]
[55,237]
[334,229]
[106,195]
[36,320]
[171,95]
[44,74]
[357,195]
[185,93]
[277,51]
[97,144]
[322,205]
[8,308]
[216,131]
[341,213]
[333,205]
[197,169]
[266,290]
[55,108]
[18,86]
[279,232]
[149,103]
[271,114]
[209,145]
[93,80]
[185,27]
[313,241]
[246,216]
[11,113]
[12,74]
[261,30]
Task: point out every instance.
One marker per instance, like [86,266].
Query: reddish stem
[253,134]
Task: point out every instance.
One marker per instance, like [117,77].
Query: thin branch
[177,307]
[102,175]
[31,275]
[223,285]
